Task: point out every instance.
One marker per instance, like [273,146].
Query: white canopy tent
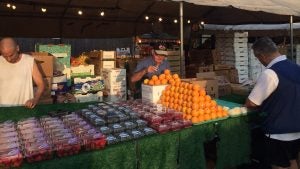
[282,7]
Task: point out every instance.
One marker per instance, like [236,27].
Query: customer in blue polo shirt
[152,65]
[277,93]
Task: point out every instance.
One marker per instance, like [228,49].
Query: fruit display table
[182,149]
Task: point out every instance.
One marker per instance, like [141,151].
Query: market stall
[183,149]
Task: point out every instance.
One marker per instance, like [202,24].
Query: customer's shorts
[279,153]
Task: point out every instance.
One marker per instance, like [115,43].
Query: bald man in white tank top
[17,73]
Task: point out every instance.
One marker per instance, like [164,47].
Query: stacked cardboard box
[209,82]
[296,53]
[177,64]
[255,67]
[45,64]
[115,84]
[233,50]
[102,60]
[62,53]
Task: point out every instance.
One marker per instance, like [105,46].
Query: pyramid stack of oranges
[163,79]
[192,101]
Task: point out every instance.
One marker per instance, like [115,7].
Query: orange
[189,104]
[207,104]
[168,77]
[189,117]
[146,81]
[167,98]
[184,103]
[178,80]
[201,111]
[181,89]
[195,113]
[200,118]
[207,117]
[186,85]
[157,82]
[164,81]
[171,100]
[195,106]
[151,82]
[213,103]
[176,95]
[177,83]
[190,99]
[224,114]
[201,105]
[167,72]
[202,92]
[171,105]
[181,97]
[196,87]
[180,101]
[195,99]
[161,76]
[154,77]
[175,106]
[207,111]
[168,87]
[207,98]
[172,88]
[175,76]
[214,115]
[190,86]
[188,110]
[220,108]
[172,82]
[186,91]
[190,92]
[183,109]
[219,114]
[201,99]
[195,94]
[194,119]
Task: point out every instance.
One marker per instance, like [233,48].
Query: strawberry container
[148,131]
[112,118]
[167,117]
[123,136]
[93,141]
[161,128]
[38,152]
[136,134]
[185,123]
[98,122]
[175,125]
[177,116]
[141,123]
[129,125]
[117,128]
[111,139]
[66,147]
[123,117]
[106,130]
[11,158]
[102,113]
[155,119]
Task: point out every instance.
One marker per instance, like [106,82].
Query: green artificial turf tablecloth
[181,149]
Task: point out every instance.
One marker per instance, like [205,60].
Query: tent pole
[181,37]
[292,38]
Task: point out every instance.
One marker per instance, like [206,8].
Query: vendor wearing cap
[152,65]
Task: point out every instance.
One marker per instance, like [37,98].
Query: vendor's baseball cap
[160,49]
